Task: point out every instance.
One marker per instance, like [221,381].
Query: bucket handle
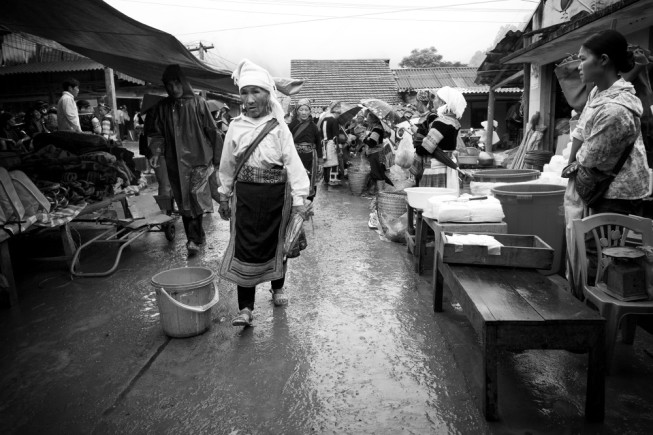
[201,308]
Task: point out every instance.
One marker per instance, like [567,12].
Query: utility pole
[201,48]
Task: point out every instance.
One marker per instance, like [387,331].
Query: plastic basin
[418,197]
[506,175]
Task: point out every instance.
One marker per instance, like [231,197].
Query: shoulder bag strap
[267,129]
[622,159]
[299,130]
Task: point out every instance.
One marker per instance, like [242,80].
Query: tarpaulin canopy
[96,30]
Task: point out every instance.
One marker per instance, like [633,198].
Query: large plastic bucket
[506,175]
[536,209]
[185,300]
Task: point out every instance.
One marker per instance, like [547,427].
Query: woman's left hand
[570,169]
[305,210]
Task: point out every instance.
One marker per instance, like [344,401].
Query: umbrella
[348,112]
[440,156]
[380,108]
[288,86]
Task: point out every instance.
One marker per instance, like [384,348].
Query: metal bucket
[185,301]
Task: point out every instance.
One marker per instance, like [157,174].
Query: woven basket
[391,204]
[358,181]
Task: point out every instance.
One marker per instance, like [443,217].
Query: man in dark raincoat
[186,135]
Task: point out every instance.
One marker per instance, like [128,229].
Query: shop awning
[94,29]
[630,16]
[63,66]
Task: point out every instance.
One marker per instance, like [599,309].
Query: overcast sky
[272,32]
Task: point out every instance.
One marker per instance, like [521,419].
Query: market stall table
[425,225]
[516,309]
[62,224]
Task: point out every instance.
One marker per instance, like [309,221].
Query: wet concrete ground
[358,350]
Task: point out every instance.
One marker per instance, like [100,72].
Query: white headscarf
[454,102]
[247,73]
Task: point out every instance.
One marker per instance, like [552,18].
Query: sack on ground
[394,229]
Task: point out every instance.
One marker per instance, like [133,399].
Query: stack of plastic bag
[463,210]
[451,211]
[487,210]
[431,202]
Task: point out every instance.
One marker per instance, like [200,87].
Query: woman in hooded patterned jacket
[608,124]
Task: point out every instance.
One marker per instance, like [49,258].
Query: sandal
[279,297]
[244,318]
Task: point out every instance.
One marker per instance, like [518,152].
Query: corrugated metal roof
[344,80]
[63,66]
[461,78]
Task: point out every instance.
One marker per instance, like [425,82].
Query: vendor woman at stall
[442,137]
[608,129]
[262,181]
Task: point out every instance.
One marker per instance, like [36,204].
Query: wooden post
[110,86]
[490,121]
[526,95]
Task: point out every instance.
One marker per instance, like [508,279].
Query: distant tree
[477,59]
[426,58]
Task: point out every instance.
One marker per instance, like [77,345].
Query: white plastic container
[418,196]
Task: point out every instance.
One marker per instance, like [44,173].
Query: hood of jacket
[621,92]
[173,72]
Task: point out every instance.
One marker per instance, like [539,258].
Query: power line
[347,17]
[455,8]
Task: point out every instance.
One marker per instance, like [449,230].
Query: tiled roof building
[347,80]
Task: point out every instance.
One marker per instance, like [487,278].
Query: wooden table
[425,225]
[518,309]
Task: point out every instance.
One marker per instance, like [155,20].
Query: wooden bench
[518,309]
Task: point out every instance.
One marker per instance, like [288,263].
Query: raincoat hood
[174,72]
[621,92]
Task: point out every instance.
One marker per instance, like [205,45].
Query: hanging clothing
[329,129]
